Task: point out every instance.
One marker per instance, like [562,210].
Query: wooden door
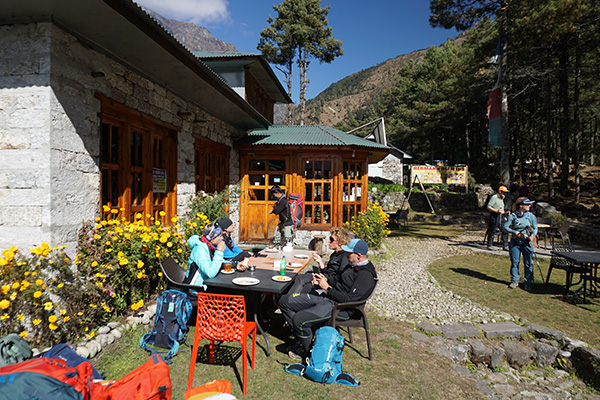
[259,175]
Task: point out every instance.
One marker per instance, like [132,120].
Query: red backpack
[150,381]
[296,205]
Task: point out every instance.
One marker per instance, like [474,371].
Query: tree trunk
[576,119]
[563,95]
[505,135]
[303,70]
[549,141]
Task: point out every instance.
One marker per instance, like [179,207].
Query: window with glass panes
[352,189]
[317,191]
[211,166]
[264,173]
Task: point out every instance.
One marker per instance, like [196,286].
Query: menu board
[442,174]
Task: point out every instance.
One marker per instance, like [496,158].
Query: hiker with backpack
[232,252]
[338,261]
[307,311]
[282,210]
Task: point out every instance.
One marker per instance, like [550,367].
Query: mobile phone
[316,269]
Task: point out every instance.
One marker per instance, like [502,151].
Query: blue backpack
[173,310]
[70,357]
[325,364]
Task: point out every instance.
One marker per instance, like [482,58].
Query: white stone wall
[49,132]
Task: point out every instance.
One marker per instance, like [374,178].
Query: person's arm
[508,223]
[279,207]
[534,227]
[361,288]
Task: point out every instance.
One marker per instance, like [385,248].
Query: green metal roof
[307,135]
[223,54]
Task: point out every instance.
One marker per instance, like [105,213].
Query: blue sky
[371,31]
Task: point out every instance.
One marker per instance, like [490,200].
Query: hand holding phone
[316,269]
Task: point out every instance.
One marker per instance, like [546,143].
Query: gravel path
[408,292]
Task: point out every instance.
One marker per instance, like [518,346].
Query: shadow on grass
[478,275]
[225,355]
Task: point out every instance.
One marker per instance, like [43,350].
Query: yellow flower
[53,326]
[138,216]
[52,318]
[63,312]
[37,294]
[162,213]
[140,275]
[95,264]
[66,319]
[4,304]
[16,285]
[4,316]
[48,306]
[5,289]
[37,321]
[160,274]
[96,236]
[140,264]
[20,317]
[23,334]
[174,219]
[138,305]
[39,282]
[13,296]
[60,285]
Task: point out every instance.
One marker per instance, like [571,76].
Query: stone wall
[49,132]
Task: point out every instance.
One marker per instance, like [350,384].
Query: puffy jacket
[207,267]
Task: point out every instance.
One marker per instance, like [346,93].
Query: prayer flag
[494,111]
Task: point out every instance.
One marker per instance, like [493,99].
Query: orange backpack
[150,381]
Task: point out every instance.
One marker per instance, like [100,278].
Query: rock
[110,337]
[517,354]
[83,351]
[420,337]
[497,357]
[442,350]
[502,329]
[116,333]
[428,327]
[545,355]
[571,344]
[113,325]
[480,353]
[460,331]
[541,331]
[586,361]
[102,339]
[152,309]
[103,330]
[462,370]
[459,352]
[505,390]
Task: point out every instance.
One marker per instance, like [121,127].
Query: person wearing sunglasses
[206,256]
[337,262]
[523,226]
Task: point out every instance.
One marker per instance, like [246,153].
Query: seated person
[307,311]
[232,251]
[206,256]
[337,262]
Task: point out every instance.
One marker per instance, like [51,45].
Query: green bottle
[282,266]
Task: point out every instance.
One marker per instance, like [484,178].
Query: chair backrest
[545,221]
[564,231]
[402,215]
[173,272]
[221,317]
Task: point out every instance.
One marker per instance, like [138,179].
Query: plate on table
[228,273]
[273,250]
[296,265]
[245,281]
[281,278]
[302,256]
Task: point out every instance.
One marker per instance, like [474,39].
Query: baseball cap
[503,189]
[224,222]
[358,246]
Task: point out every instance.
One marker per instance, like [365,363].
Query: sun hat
[358,246]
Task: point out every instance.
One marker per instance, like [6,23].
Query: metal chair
[557,262]
[357,307]
[222,318]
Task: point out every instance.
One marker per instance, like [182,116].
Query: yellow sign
[159,180]
[449,175]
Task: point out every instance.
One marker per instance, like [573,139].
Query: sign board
[442,174]
[159,180]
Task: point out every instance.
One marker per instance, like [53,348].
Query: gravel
[408,292]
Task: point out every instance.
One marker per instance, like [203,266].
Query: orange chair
[222,318]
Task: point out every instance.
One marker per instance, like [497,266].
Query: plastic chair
[361,322]
[222,318]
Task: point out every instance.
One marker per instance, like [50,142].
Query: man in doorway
[282,210]
[496,208]
[304,312]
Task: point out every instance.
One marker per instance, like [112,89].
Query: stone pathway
[472,335]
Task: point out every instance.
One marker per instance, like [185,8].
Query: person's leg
[290,304]
[503,219]
[302,283]
[306,321]
[277,236]
[288,234]
[515,255]
[492,224]
[528,264]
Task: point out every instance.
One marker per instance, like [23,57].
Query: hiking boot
[297,352]
[513,285]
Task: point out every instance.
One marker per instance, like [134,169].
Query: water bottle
[282,266]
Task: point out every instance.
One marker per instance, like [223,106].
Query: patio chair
[358,321]
[557,262]
[401,216]
[562,233]
[175,275]
[222,318]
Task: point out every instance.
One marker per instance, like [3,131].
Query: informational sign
[159,180]
[449,175]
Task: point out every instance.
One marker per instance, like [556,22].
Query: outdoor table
[264,272]
[590,261]
[544,228]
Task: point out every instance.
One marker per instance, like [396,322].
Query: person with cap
[282,210]
[496,208]
[232,251]
[522,224]
[307,311]
[206,256]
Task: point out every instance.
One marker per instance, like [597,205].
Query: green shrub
[381,188]
[558,219]
[205,208]
[370,225]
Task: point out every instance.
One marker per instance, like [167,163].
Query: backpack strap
[347,379]
[296,369]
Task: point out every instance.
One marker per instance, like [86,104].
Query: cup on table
[277,264]
[227,267]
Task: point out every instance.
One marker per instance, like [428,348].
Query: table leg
[262,332]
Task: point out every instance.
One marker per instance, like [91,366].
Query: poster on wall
[159,180]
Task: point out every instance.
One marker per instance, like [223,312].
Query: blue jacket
[521,223]
[207,267]
[228,254]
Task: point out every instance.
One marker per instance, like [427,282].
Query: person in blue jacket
[523,226]
[206,256]
[232,251]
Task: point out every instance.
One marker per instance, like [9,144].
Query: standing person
[338,261]
[496,208]
[523,225]
[232,251]
[305,311]
[282,210]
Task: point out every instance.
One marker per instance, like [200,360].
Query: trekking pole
[534,254]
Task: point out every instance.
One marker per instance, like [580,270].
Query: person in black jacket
[307,311]
[337,262]
[282,210]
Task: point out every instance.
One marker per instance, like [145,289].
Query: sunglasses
[332,239]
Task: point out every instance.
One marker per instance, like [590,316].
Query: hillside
[192,36]
[356,91]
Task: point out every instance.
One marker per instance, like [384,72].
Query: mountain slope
[192,36]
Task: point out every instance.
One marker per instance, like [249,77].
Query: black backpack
[13,349]
[173,310]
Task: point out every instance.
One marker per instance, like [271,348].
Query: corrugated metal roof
[306,135]
[222,54]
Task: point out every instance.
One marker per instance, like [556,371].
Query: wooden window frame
[351,208]
[211,166]
[310,203]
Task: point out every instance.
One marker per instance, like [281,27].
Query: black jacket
[336,264]
[354,284]
[282,209]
